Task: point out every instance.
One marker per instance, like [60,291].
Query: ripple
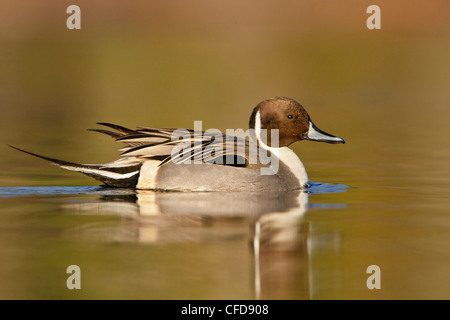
[316,188]
[50,191]
[319,187]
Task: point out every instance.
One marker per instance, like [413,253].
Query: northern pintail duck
[192,160]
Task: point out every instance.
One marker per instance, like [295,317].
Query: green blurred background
[168,63]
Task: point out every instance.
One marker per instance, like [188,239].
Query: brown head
[290,119]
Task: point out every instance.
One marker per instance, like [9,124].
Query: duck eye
[290,116]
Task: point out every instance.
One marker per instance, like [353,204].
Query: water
[178,236]
[144,244]
[381,199]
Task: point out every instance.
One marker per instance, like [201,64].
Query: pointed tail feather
[117,127]
[115,135]
[110,176]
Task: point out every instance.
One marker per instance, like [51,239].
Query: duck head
[290,119]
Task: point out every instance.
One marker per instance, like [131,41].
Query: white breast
[290,159]
[286,155]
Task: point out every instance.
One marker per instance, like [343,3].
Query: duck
[166,159]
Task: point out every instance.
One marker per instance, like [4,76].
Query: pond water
[381,199]
[162,245]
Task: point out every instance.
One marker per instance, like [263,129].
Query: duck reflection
[280,239]
[162,217]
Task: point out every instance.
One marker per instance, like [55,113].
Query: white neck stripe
[258,134]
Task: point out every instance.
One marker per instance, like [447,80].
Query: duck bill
[315,134]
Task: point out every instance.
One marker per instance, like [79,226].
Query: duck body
[211,177]
[162,159]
